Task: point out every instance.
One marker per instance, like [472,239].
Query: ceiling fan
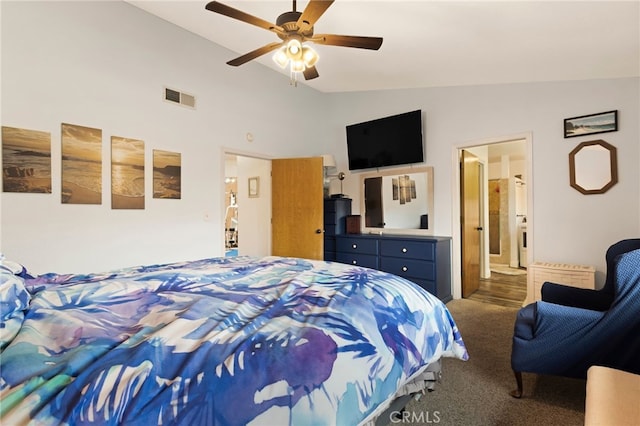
[294,28]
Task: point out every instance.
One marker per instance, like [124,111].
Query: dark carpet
[476,392]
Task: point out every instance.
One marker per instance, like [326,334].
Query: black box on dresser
[336,211]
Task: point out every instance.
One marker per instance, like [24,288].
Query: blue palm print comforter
[221,341]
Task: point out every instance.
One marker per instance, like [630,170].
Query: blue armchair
[597,300]
[560,340]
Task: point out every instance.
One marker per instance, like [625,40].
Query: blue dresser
[425,260]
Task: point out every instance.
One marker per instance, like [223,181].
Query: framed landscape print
[127,173]
[26,160]
[81,165]
[591,124]
[167,171]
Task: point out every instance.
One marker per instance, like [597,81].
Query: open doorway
[498,237]
[278,206]
[247,205]
[231,231]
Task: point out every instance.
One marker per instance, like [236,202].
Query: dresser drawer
[408,249]
[329,244]
[409,268]
[366,260]
[330,218]
[329,206]
[430,286]
[357,245]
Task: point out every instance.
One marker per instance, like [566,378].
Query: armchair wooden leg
[517,393]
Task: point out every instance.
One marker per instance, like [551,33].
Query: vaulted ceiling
[439,43]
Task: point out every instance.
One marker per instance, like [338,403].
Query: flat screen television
[387,141]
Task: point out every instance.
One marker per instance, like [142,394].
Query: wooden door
[297,216]
[470,222]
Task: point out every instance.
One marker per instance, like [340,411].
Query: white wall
[569,227]
[104,64]
[254,213]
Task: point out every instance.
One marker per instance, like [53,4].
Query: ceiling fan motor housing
[289,22]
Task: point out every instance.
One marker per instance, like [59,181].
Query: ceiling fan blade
[360,42]
[312,13]
[254,54]
[310,73]
[229,11]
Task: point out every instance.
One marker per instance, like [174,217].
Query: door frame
[456,237]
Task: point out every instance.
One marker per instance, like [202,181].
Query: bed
[219,341]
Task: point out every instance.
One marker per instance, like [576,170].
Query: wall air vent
[179,98]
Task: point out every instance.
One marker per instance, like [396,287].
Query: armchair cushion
[557,334]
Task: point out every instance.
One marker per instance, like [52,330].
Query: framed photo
[81,164]
[26,160]
[254,187]
[167,174]
[127,173]
[591,124]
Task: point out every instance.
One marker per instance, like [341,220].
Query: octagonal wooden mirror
[593,167]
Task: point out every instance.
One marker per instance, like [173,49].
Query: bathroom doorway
[503,225]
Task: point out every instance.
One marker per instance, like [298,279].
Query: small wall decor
[127,173]
[26,160]
[81,165]
[593,167]
[591,124]
[403,189]
[167,171]
[254,187]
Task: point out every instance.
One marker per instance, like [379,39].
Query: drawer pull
[405,269]
[354,246]
[354,262]
[404,250]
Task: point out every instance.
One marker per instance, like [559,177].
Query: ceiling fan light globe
[280,57]
[294,49]
[309,56]
[297,66]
